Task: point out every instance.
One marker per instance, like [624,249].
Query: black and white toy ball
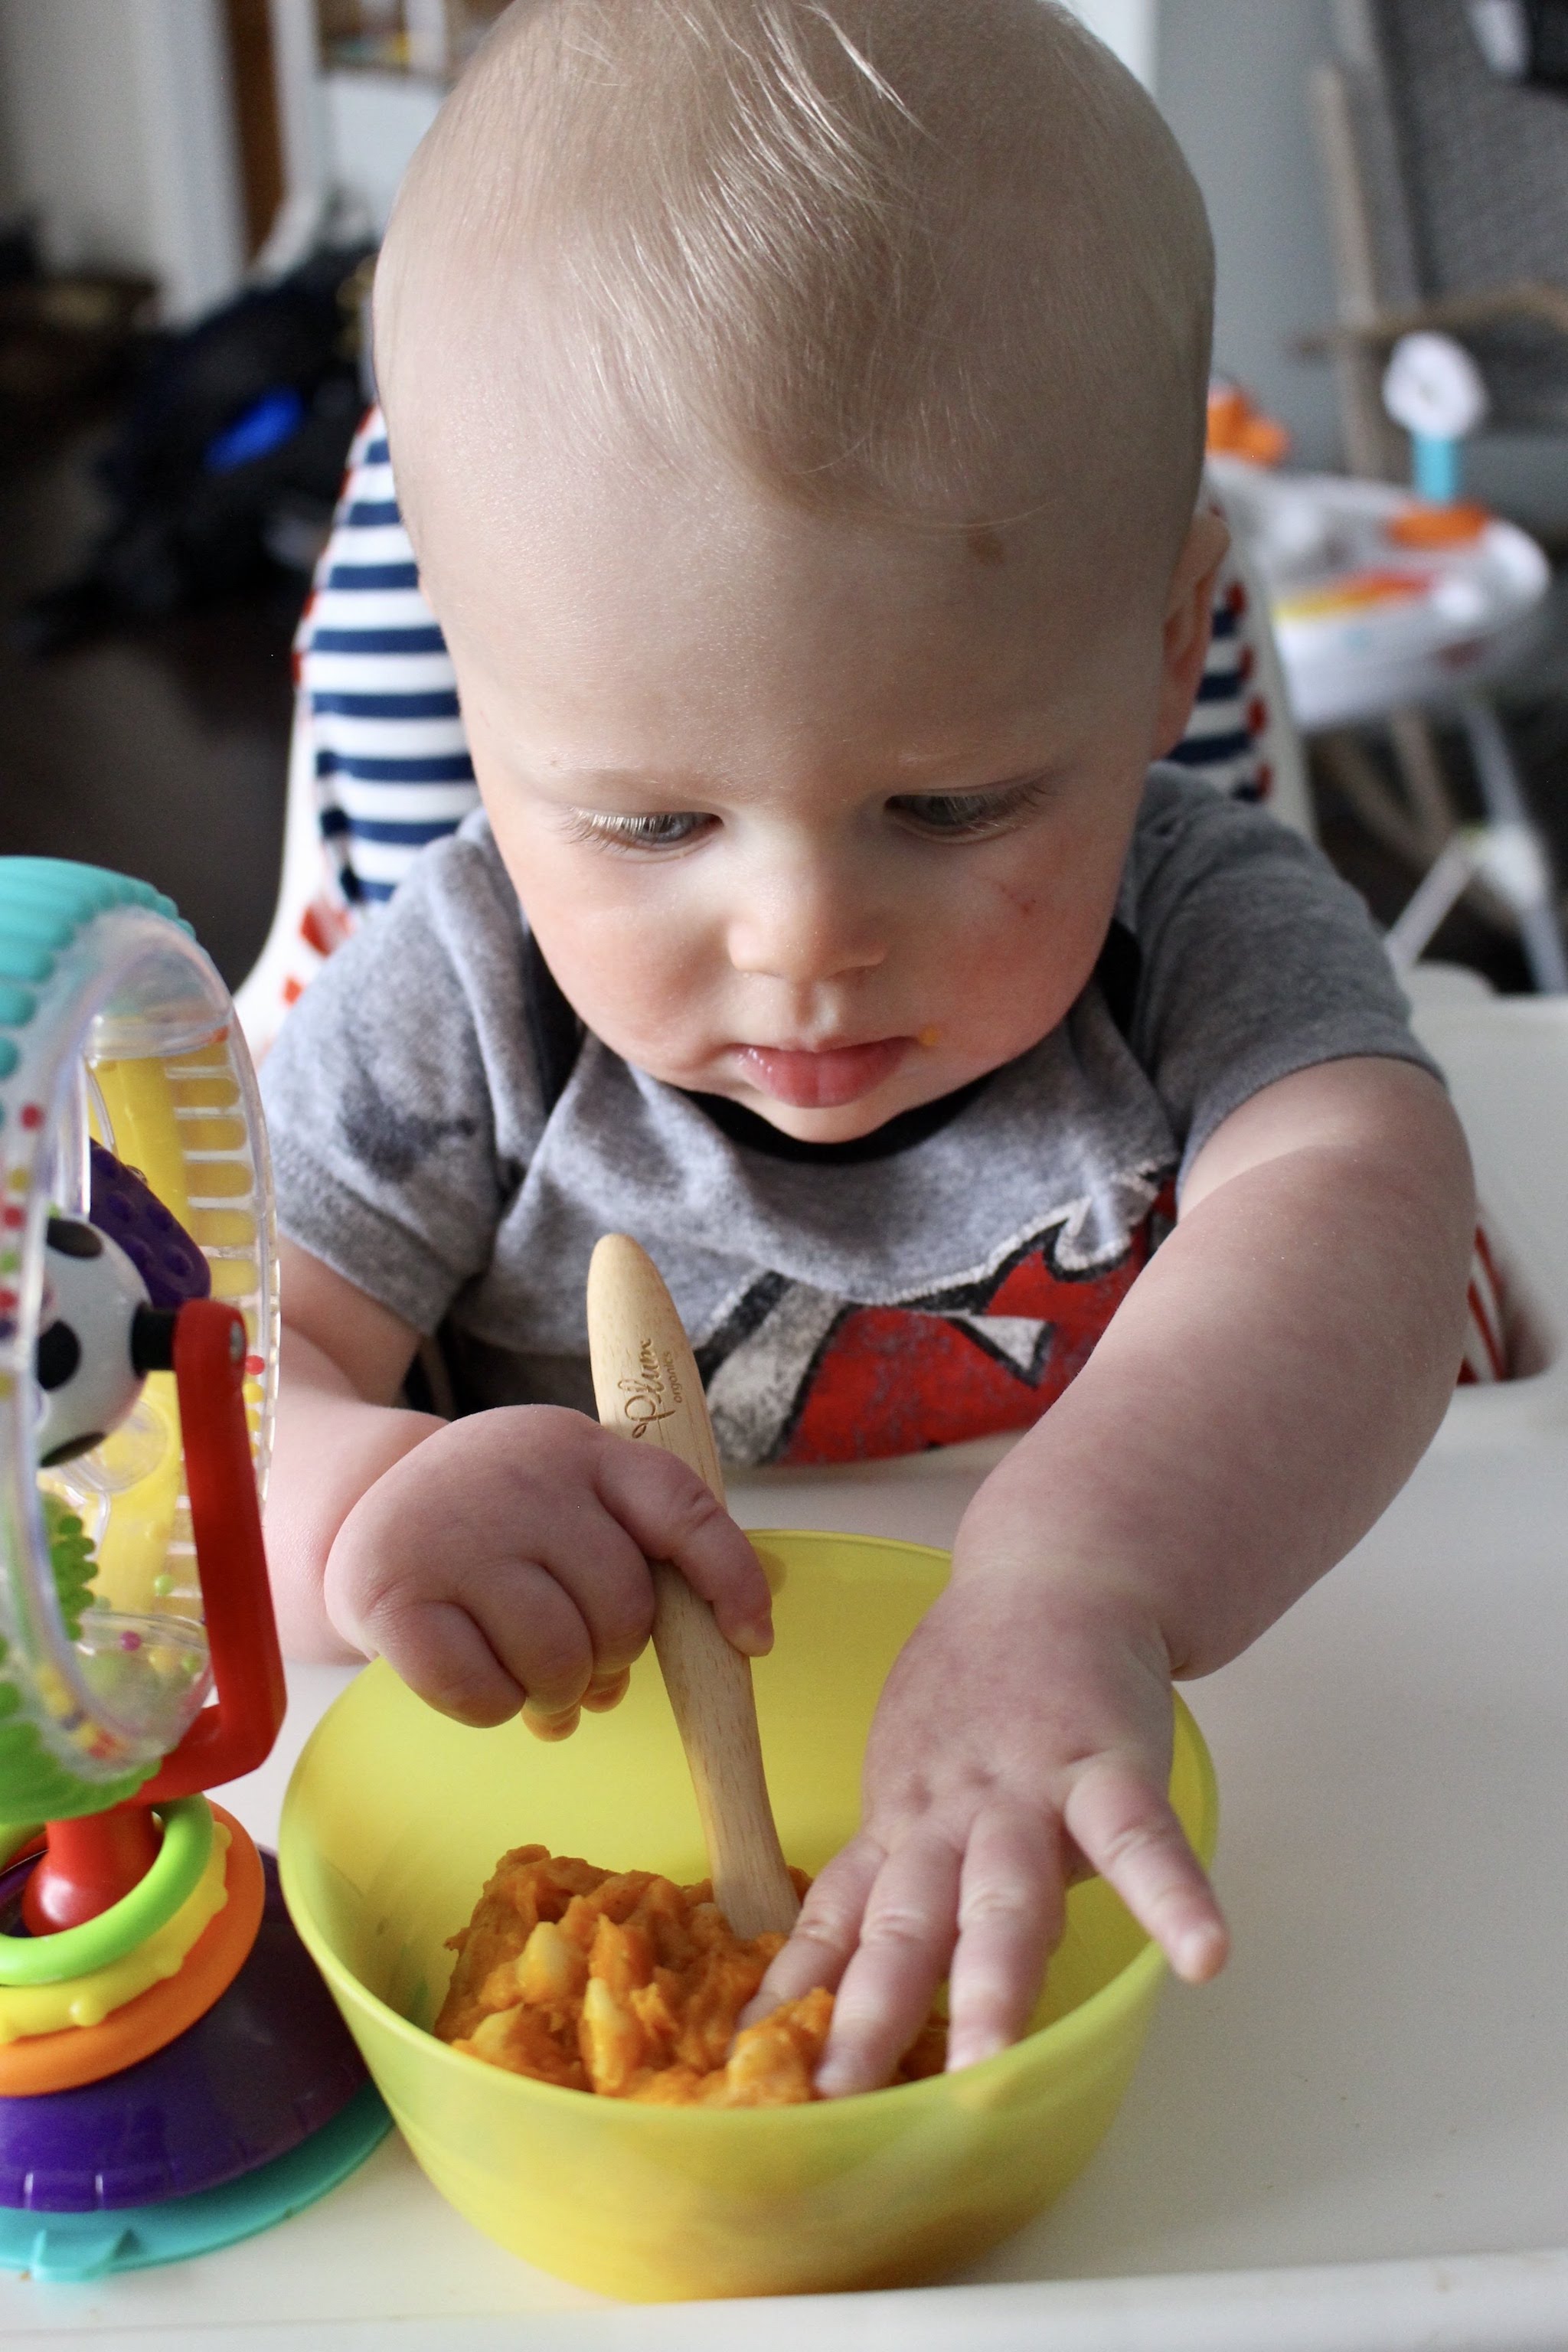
[99,1337]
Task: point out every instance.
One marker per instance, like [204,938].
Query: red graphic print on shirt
[796,1376]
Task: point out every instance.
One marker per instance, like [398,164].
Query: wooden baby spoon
[646,1387]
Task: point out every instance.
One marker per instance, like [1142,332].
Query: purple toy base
[270,2063]
[79,2246]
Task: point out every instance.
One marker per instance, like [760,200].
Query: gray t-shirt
[941,1280]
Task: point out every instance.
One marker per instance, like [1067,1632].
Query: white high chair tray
[1363,626]
[1358,2137]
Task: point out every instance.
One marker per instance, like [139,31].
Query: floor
[162,750]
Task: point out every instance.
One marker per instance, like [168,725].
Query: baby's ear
[1189,612]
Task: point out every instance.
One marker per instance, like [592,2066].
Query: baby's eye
[967,817]
[665,829]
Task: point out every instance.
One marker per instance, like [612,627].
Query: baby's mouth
[823,1080]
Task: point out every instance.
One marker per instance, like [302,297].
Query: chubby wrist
[331,1453]
[1075,1568]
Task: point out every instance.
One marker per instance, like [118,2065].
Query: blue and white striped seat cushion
[392,764]
[393,771]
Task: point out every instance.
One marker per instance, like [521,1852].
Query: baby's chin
[841,1123]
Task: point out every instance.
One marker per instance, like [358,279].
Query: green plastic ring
[151,1905]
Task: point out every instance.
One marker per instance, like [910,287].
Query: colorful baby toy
[172,2074]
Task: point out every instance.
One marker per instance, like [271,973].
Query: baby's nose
[805,928]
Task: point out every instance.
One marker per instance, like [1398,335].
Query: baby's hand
[503,1564]
[1023,1737]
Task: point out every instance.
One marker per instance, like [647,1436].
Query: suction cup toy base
[44,2065]
[79,2246]
[265,2074]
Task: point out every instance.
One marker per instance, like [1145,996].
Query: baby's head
[797,407]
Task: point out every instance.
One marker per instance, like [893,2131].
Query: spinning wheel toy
[173,2073]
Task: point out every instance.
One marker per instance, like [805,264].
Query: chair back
[1447,196]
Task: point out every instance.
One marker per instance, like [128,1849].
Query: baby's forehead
[532,539]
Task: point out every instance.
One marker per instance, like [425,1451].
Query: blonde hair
[919,256]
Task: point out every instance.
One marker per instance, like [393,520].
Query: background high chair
[1442,132]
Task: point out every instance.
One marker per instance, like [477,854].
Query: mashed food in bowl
[624,1983]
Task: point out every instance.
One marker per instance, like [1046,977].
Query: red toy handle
[90,1863]
[236,1733]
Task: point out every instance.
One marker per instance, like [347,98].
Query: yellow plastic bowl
[395,1817]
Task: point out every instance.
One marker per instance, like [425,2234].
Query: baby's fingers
[906,1938]
[1124,1825]
[549,1727]
[440,1652]
[1009,1919]
[666,1508]
[825,1933]
[607,1691]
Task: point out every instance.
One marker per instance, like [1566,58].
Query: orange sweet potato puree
[624,1983]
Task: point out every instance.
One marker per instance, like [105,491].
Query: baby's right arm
[496,1562]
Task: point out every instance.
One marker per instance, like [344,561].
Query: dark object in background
[228,456]
[1523,40]
[19,252]
[63,336]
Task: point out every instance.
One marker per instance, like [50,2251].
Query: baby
[797,407]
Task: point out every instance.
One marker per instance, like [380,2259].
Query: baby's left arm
[1267,1387]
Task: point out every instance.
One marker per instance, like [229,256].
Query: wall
[1231,80]
[1130,27]
[72,145]
[375,121]
[116,120]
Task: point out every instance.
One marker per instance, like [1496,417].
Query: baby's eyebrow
[630,780]
[679,789]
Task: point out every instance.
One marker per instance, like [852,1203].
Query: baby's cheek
[1035,924]
[635,974]
[1020,900]
[1057,905]
[1011,970]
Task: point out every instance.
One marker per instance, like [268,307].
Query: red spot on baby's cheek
[1022,903]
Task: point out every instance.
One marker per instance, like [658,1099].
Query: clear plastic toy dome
[115,1029]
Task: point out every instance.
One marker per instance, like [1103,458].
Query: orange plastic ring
[85,2053]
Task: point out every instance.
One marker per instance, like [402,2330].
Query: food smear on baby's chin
[621,1982]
